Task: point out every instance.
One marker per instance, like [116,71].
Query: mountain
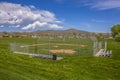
[61,32]
[72,30]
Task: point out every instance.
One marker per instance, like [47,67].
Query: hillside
[61,32]
[54,33]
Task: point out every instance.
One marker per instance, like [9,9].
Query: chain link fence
[59,46]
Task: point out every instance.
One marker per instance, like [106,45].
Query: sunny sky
[32,15]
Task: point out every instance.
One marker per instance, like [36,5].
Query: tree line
[116,32]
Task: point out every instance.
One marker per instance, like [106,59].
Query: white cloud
[103,4]
[54,26]
[87,25]
[98,4]
[101,21]
[1,26]
[16,14]
[14,26]
[41,24]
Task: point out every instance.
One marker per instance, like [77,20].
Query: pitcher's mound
[67,51]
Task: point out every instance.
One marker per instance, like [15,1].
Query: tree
[116,31]
[6,34]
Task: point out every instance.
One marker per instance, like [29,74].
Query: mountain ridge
[67,31]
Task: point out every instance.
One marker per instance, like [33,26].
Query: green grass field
[20,67]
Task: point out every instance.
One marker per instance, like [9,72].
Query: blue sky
[31,15]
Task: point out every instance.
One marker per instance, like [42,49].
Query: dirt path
[66,51]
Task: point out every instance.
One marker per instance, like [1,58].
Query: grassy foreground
[20,67]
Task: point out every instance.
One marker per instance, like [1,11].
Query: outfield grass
[20,67]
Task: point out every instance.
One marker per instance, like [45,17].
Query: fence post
[105,48]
